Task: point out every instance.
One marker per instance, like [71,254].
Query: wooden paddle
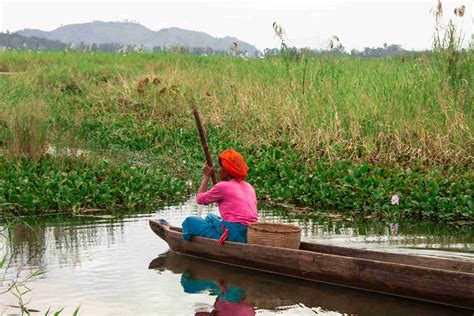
[202,135]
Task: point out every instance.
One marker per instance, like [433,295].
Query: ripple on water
[102,264]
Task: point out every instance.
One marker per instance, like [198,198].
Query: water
[117,266]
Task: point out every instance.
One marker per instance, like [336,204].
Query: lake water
[115,265]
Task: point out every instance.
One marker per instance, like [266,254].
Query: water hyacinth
[394,200]
[295,156]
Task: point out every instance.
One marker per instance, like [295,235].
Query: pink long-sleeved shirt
[236,201]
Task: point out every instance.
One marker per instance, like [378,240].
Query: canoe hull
[449,287]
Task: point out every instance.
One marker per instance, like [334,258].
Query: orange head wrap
[234,164]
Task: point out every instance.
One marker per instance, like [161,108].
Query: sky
[357,23]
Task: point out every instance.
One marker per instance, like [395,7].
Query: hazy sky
[358,23]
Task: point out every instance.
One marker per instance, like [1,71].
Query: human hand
[207,170]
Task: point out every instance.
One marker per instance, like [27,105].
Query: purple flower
[394,200]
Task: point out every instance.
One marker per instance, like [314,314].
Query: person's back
[236,201]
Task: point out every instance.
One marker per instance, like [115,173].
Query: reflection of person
[230,300]
[235,198]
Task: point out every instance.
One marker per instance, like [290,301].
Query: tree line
[16,41]
[371,52]
[13,41]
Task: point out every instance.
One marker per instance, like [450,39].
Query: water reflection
[36,243]
[99,264]
[67,241]
[244,292]
[230,299]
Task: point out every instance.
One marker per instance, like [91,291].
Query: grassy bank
[98,130]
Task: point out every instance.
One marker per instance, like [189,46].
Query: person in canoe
[235,198]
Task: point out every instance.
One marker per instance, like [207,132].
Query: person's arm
[205,197]
[207,171]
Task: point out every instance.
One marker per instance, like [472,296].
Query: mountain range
[131,33]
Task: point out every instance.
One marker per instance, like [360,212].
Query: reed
[351,108]
[448,43]
[385,107]
[18,285]
[398,112]
[25,130]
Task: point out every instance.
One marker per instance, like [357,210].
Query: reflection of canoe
[276,292]
[443,281]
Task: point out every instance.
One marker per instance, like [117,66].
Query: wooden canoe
[444,281]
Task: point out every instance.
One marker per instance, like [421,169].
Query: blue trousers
[232,293]
[211,227]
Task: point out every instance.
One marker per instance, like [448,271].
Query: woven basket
[274,235]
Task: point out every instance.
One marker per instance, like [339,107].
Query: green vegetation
[87,130]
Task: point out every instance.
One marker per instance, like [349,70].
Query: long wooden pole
[202,135]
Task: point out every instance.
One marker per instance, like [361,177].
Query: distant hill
[17,41]
[129,33]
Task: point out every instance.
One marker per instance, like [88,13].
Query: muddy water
[117,266]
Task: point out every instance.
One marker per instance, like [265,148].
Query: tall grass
[398,112]
[448,42]
[352,108]
[26,130]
